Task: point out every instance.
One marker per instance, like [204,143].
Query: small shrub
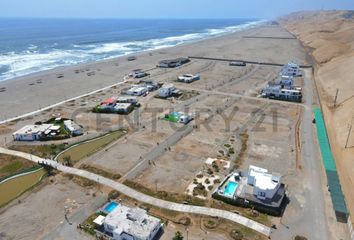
[178,236]
[298,237]
[231,150]
[236,234]
[217,181]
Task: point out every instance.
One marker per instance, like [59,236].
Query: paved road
[145,198]
[245,61]
[306,213]
[246,97]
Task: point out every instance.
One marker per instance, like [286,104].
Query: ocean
[33,45]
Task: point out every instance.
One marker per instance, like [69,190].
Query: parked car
[131,58]
[188,78]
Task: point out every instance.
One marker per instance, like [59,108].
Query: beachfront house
[173,63]
[123,108]
[32,132]
[137,90]
[73,128]
[280,92]
[125,223]
[167,90]
[138,73]
[256,188]
[127,99]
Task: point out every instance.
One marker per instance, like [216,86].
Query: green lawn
[10,165]
[85,149]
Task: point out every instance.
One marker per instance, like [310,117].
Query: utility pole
[349,132]
[335,98]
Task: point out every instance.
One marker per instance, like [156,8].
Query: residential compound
[32,132]
[73,128]
[256,188]
[167,90]
[173,63]
[53,129]
[284,88]
[125,223]
[291,69]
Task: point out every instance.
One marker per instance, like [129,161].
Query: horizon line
[132,18]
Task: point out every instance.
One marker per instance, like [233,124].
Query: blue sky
[163,8]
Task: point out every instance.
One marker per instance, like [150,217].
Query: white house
[265,185]
[127,99]
[286,80]
[123,108]
[137,90]
[73,128]
[126,223]
[291,69]
[279,92]
[166,90]
[31,132]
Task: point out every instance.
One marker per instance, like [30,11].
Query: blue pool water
[230,189]
[110,207]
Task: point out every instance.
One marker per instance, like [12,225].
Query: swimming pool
[110,207]
[230,189]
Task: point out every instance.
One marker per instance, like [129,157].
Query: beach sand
[32,92]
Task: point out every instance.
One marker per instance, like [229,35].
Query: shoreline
[25,95]
[243,27]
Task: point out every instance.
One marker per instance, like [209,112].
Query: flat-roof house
[31,132]
[127,99]
[286,80]
[167,90]
[291,69]
[125,223]
[256,188]
[73,128]
[172,63]
[137,90]
[279,92]
[265,185]
[123,108]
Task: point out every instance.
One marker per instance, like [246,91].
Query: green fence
[330,168]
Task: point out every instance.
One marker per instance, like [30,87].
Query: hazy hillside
[330,37]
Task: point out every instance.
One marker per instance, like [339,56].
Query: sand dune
[331,37]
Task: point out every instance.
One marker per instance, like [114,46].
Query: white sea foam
[32,60]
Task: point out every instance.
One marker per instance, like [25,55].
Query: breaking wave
[33,59]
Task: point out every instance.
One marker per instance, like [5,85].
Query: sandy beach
[177,157]
[32,92]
